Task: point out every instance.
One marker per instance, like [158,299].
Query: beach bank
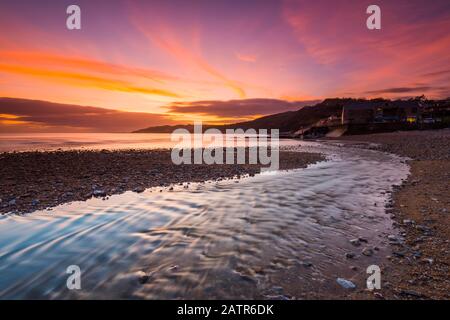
[420,263]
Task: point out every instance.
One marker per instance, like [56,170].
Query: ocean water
[276,235]
[97,141]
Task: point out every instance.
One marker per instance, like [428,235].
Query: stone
[35,202]
[355,242]
[349,255]
[99,193]
[277,289]
[378,295]
[277,297]
[427,261]
[423,228]
[398,254]
[139,189]
[142,277]
[393,239]
[346,284]
[367,252]
[411,293]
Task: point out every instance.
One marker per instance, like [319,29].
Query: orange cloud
[51,59]
[85,80]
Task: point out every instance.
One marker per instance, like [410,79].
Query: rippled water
[273,235]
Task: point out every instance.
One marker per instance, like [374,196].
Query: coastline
[418,267]
[44,179]
[420,263]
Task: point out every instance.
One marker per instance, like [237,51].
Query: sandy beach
[39,180]
[420,263]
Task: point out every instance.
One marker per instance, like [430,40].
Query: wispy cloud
[246,57]
[401,90]
[164,38]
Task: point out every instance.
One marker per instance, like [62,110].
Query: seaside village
[379,115]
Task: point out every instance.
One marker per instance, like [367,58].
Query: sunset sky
[179,60]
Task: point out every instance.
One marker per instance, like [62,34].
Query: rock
[307,264]
[367,252]
[346,284]
[419,240]
[99,193]
[393,239]
[139,189]
[355,242]
[378,295]
[35,202]
[408,221]
[427,261]
[142,277]
[411,293]
[349,255]
[12,202]
[361,239]
[277,297]
[399,254]
[423,228]
[277,289]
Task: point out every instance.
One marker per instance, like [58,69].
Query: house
[381,111]
[360,112]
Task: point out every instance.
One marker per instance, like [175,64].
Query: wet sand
[38,180]
[420,265]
